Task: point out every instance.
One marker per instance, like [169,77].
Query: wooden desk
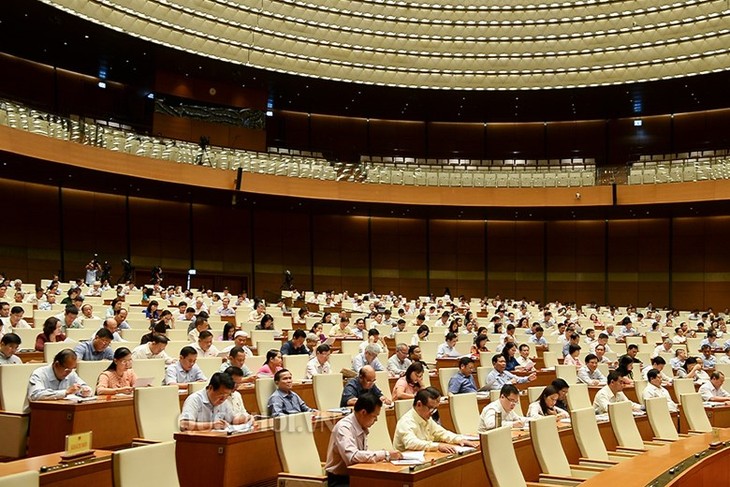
[719,417]
[31,356]
[643,469]
[97,473]
[460,470]
[112,422]
[239,459]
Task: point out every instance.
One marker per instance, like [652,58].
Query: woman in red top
[51,333]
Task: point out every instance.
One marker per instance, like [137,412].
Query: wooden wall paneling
[653,264]
[31,221]
[455,140]
[398,250]
[717,263]
[623,257]
[172,127]
[344,137]
[401,138]
[528,244]
[561,261]
[288,129]
[502,258]
[340,252]
[94,223]
[515,141]
[575,139]
[443,235]
[688,263]
[469,258]
[704,129]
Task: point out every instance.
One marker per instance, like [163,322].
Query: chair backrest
[157,411]
[550,358]
[500,460]
[263,346]
[350,347]
[154,368]
[568,373]
[578,397]
[265,387]
[464,413]
[639,387]
[428,349]
[297,365]
[50,349]
[533,393]
[379,436]
[660,419]
[89,370]
[585,429]
[694,411]
[683,386]
[30,478]
[267,335]
[14,386]
[724,368]
[402,407]
[194,387]
[547,446]
[27,336]
[339,361]
[327,390]
[445,375]
[482,373]
[381,380]
[132,467]
[209,365]
[634,340]
[603,368]
[624,426]
[295,442]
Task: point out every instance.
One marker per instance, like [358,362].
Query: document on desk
[411,458]
[464,449]
[237,428]
[75,398]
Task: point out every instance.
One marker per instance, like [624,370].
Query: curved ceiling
[444,44]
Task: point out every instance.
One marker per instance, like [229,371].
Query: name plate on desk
[77,446]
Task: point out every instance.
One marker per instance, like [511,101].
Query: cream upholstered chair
[265,387]
[379,436]
[464,413]
[683,386]
[157,411]
[640,387]
[50,349]
[298,451]
[660,419]
[297,365]
[590,443]
[402,407]
[533,393]
[578,397]
[445,375]
[339,361]
[694,411]
[500,460]
[350,347]
[550,454]
[194,387]
[89,371]
[150,368]
[625,429]
[327,390]
[482,373]
[13,419]
[209,365]
[550,359]
[569,373]
[381,380]
[30,478]
[132,467]
[428,350]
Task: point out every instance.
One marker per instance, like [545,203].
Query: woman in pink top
[118,378]
[412,381]
[272,364]
[572,357]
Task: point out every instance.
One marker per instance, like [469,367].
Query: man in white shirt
[655,389]
[225,309]
[320,363]
[538,338]
[611,393]
[205,345]
[368,357]
[208,409]
[348,441]
[8,346]
[657,363]
[448,348]
[603,341]
[416,430]
[713,391]
[398,362]
[154,349]
[523,358]
[665,346]
[589,373]
[504,408]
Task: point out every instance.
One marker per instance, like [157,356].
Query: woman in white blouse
[545,405]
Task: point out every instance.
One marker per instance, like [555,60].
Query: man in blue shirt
[296,346]
[284,400]
[364,382]
[463,381]
[98,348]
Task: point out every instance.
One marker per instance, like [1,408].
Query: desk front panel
[97,473]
